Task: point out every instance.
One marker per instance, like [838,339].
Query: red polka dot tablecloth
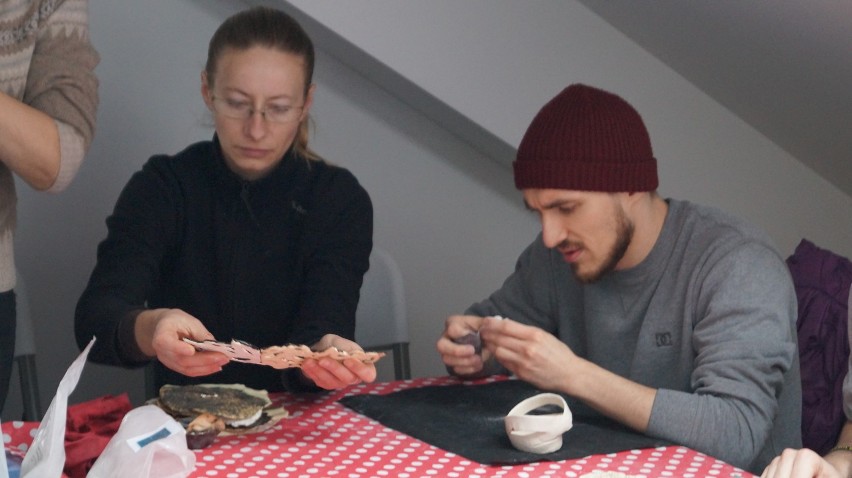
[321,437]
[17,436]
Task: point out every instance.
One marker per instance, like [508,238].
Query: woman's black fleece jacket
[274,261]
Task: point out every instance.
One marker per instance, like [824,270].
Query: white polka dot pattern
[323,438]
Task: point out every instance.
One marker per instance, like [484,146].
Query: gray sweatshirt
[708,319]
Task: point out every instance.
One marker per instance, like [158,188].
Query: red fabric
[88,429]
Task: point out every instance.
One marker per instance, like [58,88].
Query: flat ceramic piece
[293,355]
[237,350]
[285,356]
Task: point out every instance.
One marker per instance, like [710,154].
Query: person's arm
[29,143]
[139,231]
[806,463]
[800,463]
[744,340]
[336,245]
[525,296]
[44,137]
[540,358]
[341,234]
[837,463]
[841,459]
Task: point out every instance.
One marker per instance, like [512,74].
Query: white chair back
[380,320]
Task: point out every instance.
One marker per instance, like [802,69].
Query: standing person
[249,236]
[674,319]
[48,102]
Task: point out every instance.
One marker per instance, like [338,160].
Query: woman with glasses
[250,236]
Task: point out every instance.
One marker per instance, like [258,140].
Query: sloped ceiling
[784,66]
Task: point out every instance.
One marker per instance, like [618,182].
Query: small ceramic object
[538,433]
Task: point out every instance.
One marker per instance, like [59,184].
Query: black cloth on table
[467,420]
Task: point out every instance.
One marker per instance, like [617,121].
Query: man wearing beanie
[674,319]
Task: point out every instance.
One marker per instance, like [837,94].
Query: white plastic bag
[46,456]
[148,444]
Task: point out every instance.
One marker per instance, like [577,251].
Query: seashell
[202,431]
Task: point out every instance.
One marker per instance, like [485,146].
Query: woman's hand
[331,374]
[160,333]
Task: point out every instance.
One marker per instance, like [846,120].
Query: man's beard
[623,236]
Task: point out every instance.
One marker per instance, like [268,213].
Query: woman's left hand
[331,374]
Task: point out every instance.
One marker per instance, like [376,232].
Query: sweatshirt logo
[298,208]
[664,339]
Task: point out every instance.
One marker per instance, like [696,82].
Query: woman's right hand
[160,333]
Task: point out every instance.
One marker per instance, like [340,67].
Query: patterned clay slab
[284,356]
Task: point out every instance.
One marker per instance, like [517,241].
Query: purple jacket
[822,280]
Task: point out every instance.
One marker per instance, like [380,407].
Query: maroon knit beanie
[586,139]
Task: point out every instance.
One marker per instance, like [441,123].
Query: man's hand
[330,374]
[160,333]
[530,353]
[461,359]
[802,463]
[540,358]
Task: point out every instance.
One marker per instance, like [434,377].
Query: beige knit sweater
[46,61]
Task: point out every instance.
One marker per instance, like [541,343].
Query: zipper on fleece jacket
[244,195]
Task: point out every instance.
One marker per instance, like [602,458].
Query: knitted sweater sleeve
[61,83]
[744,340]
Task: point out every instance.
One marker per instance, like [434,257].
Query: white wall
[497,62]
[443,208]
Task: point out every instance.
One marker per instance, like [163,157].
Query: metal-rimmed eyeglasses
[243,110]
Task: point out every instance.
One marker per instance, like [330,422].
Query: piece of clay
[284,356]
[538,433]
